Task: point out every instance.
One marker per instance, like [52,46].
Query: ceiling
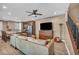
[16,11]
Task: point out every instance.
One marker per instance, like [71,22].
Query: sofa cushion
[38,41]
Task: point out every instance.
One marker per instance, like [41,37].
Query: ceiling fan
[34,13]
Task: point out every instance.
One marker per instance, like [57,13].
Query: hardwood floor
[6,49]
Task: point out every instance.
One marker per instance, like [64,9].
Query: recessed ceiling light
[4,7]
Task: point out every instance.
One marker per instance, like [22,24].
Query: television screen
[46,26]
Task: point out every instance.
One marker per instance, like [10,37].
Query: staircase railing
[72,39]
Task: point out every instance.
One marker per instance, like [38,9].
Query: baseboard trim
[66,47]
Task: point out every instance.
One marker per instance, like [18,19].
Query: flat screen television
[46,26]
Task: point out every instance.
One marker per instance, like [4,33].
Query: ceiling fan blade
[28,12]
[38,14]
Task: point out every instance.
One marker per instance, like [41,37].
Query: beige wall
[55,21]
[74,12]
[38,25]
[10,24]
[56,28]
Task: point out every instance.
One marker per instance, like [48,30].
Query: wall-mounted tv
[46,26]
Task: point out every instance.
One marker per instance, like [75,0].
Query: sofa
[31,46]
